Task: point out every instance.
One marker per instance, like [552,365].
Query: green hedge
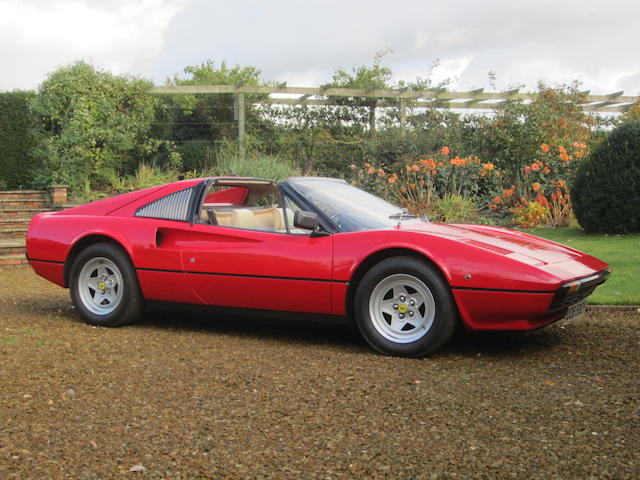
[606,190]
[17,140]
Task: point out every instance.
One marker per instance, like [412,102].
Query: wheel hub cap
[402,308]
[100,286]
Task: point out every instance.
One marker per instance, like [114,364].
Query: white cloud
[37,37]
[304,42]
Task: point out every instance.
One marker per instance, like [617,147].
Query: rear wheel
[404,307]
[104,287]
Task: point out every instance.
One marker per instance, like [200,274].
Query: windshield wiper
[402,215]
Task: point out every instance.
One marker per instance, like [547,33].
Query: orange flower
[367,165]
[562,183]
[416,168]
[497,200]
[561,149]
[488,166]
[421,182]
[536,186]
[492,206]
[412,185]
[527,169]
[546,170]
[459,162]
[535,167]
[428,163]
[371,170]
[544,147]
[509,192]
[542,200]
[579,153]
[564,157]
[408,167]
[445,150]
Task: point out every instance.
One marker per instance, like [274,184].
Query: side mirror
[306,220]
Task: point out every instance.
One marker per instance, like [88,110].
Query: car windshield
[350,208]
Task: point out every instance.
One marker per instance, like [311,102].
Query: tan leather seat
[264,218]
[223,218]
[243,218]
[278,220]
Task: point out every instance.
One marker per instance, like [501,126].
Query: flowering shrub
[545,183]
[417,185]
[529,214]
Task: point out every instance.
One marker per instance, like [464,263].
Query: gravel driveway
[184,395]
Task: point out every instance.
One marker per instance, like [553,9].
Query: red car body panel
[500,279]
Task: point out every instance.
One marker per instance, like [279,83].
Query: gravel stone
[188,394]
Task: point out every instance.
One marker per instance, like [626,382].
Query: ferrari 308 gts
[307,246]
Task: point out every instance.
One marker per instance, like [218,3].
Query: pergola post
[372,118]
[403,116]
[240,116]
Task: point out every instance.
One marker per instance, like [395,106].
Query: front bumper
[484,309]
[577,290]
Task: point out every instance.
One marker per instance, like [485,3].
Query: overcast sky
[303,42]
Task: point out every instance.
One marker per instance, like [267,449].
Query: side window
[251,206]
[174,206]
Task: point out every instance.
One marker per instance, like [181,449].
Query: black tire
[123,303]
[436,315]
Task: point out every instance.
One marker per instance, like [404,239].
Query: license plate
[575,310]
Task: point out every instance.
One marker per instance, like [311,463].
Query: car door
[242,251]
[244,268]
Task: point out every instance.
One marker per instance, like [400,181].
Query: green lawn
[621,252]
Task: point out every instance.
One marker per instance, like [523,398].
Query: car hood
[513,244]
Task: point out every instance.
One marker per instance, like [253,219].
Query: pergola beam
[439,97]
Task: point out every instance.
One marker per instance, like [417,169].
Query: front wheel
[104,287]
[404,307]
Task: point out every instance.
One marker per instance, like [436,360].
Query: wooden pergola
[477,99]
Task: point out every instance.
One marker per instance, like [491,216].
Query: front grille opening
[588,284]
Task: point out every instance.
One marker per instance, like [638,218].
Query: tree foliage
[200,124]
[92,123]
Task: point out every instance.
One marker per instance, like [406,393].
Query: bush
[92,123]
[256,165]
[606,190]
[17,139]
[454,208]
[197,155]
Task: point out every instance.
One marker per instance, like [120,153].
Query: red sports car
[307,246]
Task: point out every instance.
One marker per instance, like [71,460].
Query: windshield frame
[292,187]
